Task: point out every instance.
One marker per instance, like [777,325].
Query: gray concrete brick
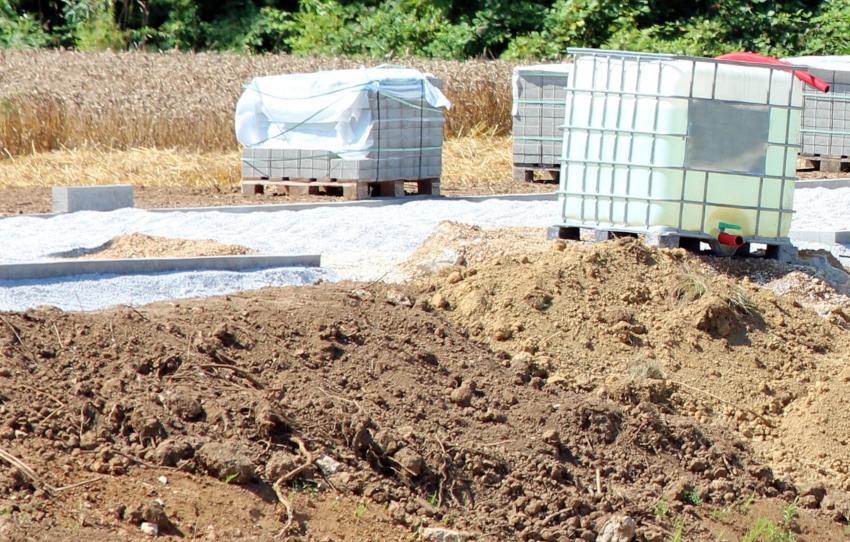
[69,199]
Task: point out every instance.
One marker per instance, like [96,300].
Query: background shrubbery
[445,29]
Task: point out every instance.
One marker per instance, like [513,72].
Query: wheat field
[53,99]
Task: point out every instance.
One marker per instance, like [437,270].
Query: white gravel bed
[821,209]
[358,243]
[92,292]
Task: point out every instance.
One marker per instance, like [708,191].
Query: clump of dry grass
[693,284]
[53,99]
[481,161]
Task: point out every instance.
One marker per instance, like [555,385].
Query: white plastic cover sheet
[555,68]
[835,63]
[326,110]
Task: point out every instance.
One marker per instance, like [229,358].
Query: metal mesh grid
[596,197]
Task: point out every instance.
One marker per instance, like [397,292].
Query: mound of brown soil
[453,243]
[139,245]
[366,392]
[728,352]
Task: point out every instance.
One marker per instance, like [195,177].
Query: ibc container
[680,145]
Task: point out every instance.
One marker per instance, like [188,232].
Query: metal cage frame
[609,197]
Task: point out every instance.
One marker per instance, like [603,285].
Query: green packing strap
[825,132]
[302,123]
[341,89]
[541,138]
[541,102]
[410,104]
[336,155]
[534,73]
[298,125]
[830,97]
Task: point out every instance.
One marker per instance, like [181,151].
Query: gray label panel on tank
[727,137]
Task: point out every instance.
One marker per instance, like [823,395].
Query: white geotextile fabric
[554,68]
[343,235]
[326,110]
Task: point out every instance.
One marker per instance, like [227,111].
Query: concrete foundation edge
[841,237]
[822,183]
[138,266]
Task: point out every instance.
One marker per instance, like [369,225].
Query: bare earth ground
[179,178]
[527,395]
[37,199]
[28,200]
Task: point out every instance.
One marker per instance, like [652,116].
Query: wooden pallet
[780,251]
[828,164]
[348,189]
[525,172]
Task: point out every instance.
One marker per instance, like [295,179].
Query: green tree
[20,29]
[829,30]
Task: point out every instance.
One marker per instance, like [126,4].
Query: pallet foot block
[69,199]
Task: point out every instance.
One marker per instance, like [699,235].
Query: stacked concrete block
[406,144]
[826,116]
[539,104]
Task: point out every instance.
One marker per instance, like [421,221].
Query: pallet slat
[829,164]
[351,189]
[781,250]
[525,172]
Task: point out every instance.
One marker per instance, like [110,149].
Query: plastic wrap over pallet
[333,111]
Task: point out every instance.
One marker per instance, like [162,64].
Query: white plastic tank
[692,146]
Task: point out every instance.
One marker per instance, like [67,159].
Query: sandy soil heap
[625,320]
[139,245]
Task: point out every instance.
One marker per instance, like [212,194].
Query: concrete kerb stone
[841,237]
[138,266]
[68,199]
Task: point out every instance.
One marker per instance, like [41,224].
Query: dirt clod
[226,461]
[462,395]
[171,451]
[440,534]
[617,529]
[410,461]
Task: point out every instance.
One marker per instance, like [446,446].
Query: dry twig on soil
[294,473]
[25,469]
